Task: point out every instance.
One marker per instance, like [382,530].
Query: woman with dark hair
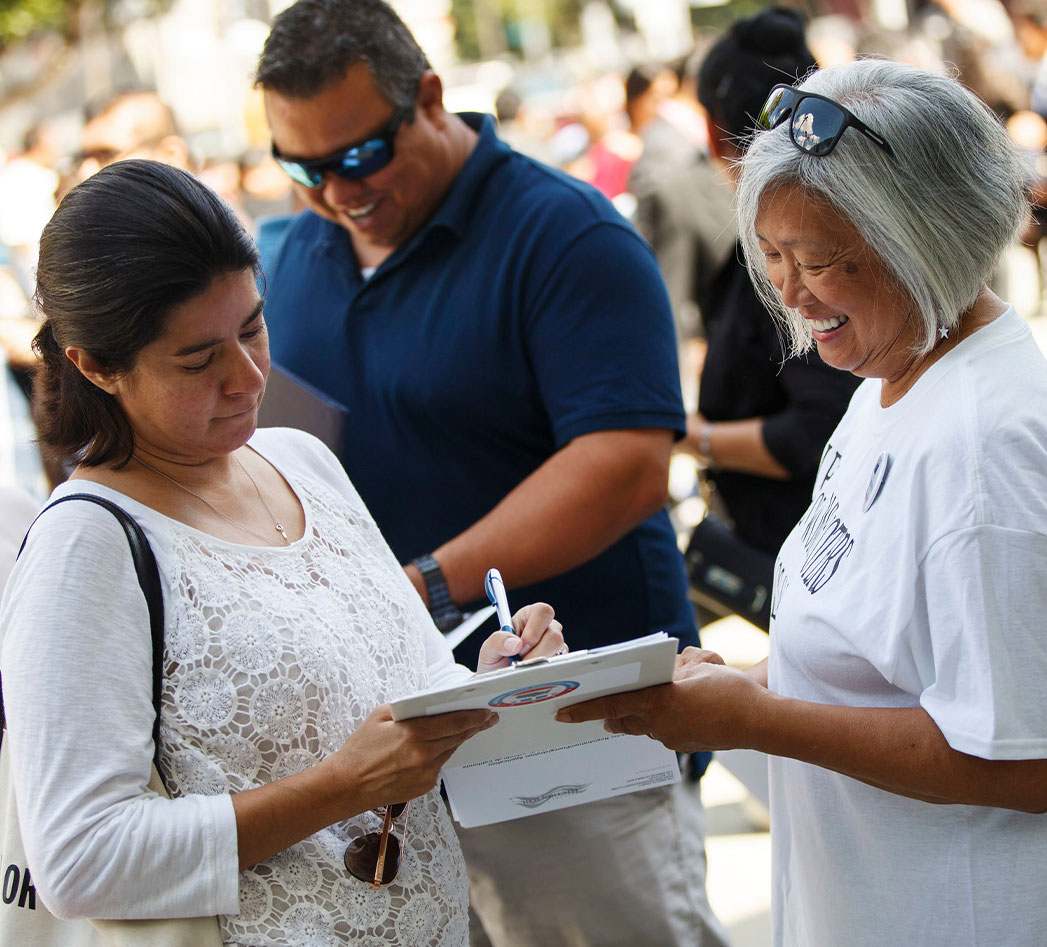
[763,418]
[288,622]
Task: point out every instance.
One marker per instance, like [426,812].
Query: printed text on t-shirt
[825,536]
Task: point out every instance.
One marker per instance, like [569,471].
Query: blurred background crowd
[605,89]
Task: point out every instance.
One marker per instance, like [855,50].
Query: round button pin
[879,475]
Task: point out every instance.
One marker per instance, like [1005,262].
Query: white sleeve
[986,594]
[76,658]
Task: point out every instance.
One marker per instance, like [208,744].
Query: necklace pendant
[280,530]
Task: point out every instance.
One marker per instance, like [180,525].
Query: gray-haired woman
[908,637]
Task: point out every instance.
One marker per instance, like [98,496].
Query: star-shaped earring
[943,331]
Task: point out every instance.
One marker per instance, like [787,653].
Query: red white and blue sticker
[525,696]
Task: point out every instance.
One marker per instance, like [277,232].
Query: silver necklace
[247,529]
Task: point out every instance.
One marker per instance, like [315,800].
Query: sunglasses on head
[356,161]
[375,858]
[817,123]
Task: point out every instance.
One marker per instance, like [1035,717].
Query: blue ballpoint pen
[495,588]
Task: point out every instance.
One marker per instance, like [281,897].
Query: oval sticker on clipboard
[525,696]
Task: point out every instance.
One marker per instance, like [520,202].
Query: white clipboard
[528,762]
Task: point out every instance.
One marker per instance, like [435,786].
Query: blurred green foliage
[488,28]
[22,18]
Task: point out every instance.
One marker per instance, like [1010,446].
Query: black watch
[446,615]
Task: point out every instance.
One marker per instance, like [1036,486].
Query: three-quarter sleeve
[76,658]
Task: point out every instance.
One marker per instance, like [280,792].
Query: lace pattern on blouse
[274,656]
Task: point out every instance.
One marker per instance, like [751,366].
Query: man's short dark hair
[314,43]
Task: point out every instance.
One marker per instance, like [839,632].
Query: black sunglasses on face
[354,162]
[375,858]
[817,123]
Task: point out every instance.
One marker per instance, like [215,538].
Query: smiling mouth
[240,414]
[358,213]
[827,325]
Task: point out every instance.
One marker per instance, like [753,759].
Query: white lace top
[273,657]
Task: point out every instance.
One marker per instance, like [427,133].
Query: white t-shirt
[273,656]
[930,591]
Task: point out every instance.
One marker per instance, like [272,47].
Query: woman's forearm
[282,813]
[710,706]
[732,445]
[899,750]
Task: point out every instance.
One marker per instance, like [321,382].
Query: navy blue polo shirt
[524,313]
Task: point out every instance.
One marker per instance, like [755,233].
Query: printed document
[528,762]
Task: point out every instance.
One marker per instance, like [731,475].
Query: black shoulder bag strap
[148,579]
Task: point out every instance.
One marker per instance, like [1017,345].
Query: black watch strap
[446,615]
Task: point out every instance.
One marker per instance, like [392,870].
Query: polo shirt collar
[455,211]
[490,151]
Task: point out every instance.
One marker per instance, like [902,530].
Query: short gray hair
[938,212]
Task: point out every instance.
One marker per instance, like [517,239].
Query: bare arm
[581,500]
[382,762]
[734,445]
[900,750]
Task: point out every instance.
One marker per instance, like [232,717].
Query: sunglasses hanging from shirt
[817,123]
[375,858]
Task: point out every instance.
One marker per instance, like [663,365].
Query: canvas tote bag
[24,920]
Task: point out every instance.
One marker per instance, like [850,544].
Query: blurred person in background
[28,192]
[1030,30]
[524,128]
[902,702]
[647,86]
[975,40]
[502,342]
[763,417]
[28,187]
[130,124]
[614,144]
[683,209]
[221,173]
[268,199]
[264,187]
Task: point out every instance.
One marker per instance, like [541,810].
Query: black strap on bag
[149,580]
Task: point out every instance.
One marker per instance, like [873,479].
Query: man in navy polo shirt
[503,345]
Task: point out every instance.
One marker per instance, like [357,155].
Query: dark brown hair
[314,43]
[122,250]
